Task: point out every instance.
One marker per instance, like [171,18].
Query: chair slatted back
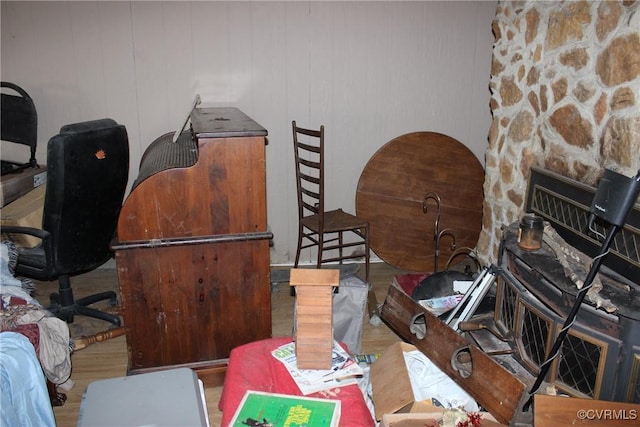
[309,157]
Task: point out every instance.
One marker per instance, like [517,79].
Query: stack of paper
[439,306]
[344,370]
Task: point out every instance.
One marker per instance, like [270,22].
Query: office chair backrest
[19,119]
[87,168]
[309,155]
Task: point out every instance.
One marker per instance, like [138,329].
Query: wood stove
[600,356]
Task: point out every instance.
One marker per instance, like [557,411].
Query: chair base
[79,307]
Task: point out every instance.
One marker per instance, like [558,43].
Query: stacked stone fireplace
[565,98]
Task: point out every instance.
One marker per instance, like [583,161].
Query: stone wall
[565,95]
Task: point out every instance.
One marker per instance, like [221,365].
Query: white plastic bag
[429,382]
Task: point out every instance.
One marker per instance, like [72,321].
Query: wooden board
[313,329]
[26,211]
[429,419]
[391,192]
[193,302]
[552,411]
[223,193]
[495,388]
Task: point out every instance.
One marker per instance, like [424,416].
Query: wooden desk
[193,247]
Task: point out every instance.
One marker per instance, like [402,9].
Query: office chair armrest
[16,229]
[45,236]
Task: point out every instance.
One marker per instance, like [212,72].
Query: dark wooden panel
[391,192]
[193,303]
[193,246]
[224,192]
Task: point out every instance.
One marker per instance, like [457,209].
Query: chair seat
[334,221]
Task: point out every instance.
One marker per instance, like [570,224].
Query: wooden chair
[317,227]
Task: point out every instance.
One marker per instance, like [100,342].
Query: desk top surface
[224,122]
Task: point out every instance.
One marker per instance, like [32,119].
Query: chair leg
[372,301]
[97,314]
[64,307]
[367,255]
[110,295]
[320,248]
[300,230]
[292,290]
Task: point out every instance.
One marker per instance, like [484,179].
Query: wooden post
[314,327]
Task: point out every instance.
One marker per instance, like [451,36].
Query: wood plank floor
[108,359]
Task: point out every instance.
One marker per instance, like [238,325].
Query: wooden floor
[108,359]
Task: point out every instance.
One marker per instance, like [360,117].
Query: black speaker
[615,196]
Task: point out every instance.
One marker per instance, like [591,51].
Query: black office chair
[18,124]
[88,166]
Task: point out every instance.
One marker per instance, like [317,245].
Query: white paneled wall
[368,71]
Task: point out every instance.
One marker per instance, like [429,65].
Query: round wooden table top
[391,195]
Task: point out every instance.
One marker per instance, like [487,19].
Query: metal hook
[433,196]
[425,205]
[446,232]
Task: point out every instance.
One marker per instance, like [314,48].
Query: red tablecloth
[252,367]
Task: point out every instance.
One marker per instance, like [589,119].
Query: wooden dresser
[192,251]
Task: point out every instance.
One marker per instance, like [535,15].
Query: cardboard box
[25,212]
[391,383]
[428,419]
[393,392]
[15,185]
